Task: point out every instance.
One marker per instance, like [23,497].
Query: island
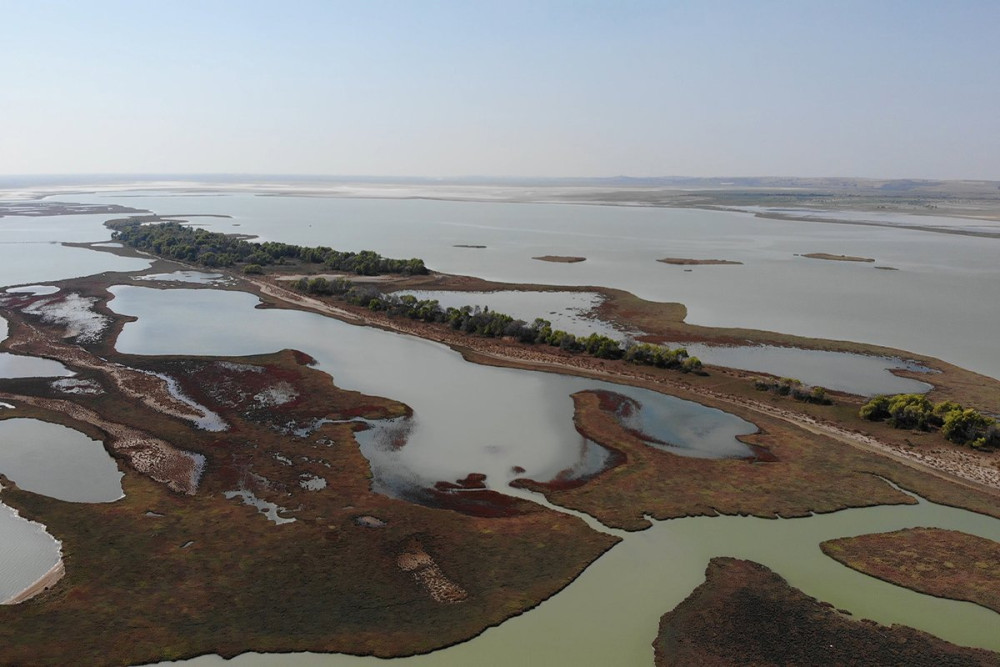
[745,614]
[945,563]
[563,259]
[837,258]
[681,261]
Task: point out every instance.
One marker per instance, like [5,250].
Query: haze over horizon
[550,89]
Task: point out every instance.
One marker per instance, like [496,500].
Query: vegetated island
[186,553]
[745,614]
[837,258]
[681,261]
[944,563]
[809,456]
[562,259]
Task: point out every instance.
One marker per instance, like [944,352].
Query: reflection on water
[951,275]
[467,418]
[840,371]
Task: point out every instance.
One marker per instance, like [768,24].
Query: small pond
[58,462]
[860,374]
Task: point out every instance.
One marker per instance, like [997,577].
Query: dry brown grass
[945,563]
[745,614]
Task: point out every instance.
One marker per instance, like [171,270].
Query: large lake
[939,302]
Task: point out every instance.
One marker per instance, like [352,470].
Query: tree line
[213,249]
[964,426]
[794,388]
[475,320]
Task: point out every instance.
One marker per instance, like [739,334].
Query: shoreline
[43,583]
[957,466]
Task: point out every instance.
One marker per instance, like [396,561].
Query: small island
[466,245]
[837,258]
[944,563]
[746,614]
[561,259]
[681,261]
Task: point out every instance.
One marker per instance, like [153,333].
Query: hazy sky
[800,88]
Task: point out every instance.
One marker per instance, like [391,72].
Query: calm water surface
[649,572]
[30,250]
[59,462]
[935,304]
[467,418]
[842,371]
[652,571]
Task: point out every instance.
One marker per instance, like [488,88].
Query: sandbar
[681,261]
[837,258]
[560,258]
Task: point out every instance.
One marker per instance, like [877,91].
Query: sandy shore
[46,581]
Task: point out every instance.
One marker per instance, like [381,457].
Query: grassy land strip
[944,563]
[745,614]
[166,575]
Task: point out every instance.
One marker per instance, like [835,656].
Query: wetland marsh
[472,429]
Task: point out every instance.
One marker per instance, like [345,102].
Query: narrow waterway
[610,614]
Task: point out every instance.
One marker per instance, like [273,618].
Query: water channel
[648,574]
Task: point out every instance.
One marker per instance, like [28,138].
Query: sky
[542,88]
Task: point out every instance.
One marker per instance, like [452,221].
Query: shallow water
[467,418]
[841,371]
[654,570]
[30,250]
[648,574]
[933,305]
[17,366]
[59,462]
[27,552]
